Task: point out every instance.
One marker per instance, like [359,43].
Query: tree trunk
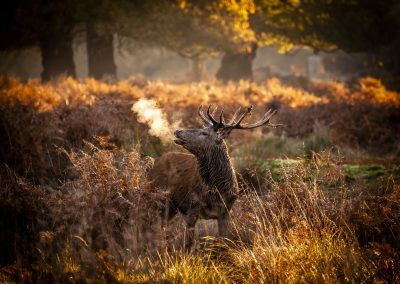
[100,53]
[198,69]
[236,66]
[57,56]
[396,55]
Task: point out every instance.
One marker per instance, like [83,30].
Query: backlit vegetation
[319,197]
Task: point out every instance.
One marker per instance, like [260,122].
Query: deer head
[214,132]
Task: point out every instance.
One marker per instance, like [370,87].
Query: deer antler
[210,116]
[265,120]
[234,116]
[203,117]
[210,120]
[237,124]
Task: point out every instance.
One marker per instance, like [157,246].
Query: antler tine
[214,122]
[234,116]
[203,117]
[221,118]
[213,111]
[264,121]
[248,111]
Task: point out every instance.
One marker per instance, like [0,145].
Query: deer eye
[203,133]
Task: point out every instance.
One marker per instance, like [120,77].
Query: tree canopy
[193,28]
[353,26]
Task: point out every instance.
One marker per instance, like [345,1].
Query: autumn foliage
[78,207]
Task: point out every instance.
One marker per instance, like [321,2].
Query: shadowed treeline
[197,30]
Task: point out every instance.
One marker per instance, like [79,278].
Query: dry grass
[103,226]
[79,208]
[64,113]
[45,97]
[300,231]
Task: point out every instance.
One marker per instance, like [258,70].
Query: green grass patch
[278,166]
[365,172]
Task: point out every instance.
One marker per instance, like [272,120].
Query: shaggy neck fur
[216,169]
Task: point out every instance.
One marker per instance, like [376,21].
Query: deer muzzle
[179,140]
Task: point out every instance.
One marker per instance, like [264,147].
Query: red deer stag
[202,184]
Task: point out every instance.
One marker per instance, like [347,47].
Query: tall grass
[302,231]
[103,226]
[78,207]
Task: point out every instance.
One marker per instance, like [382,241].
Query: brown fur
[178,174]
[201,184]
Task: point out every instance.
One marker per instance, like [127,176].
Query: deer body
[203,184]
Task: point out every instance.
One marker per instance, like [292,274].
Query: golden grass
[102,226]
[71,92]
[86,213]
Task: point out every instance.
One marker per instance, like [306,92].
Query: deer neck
[216,169]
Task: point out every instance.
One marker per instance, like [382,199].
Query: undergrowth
[103,226]
[76,207]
